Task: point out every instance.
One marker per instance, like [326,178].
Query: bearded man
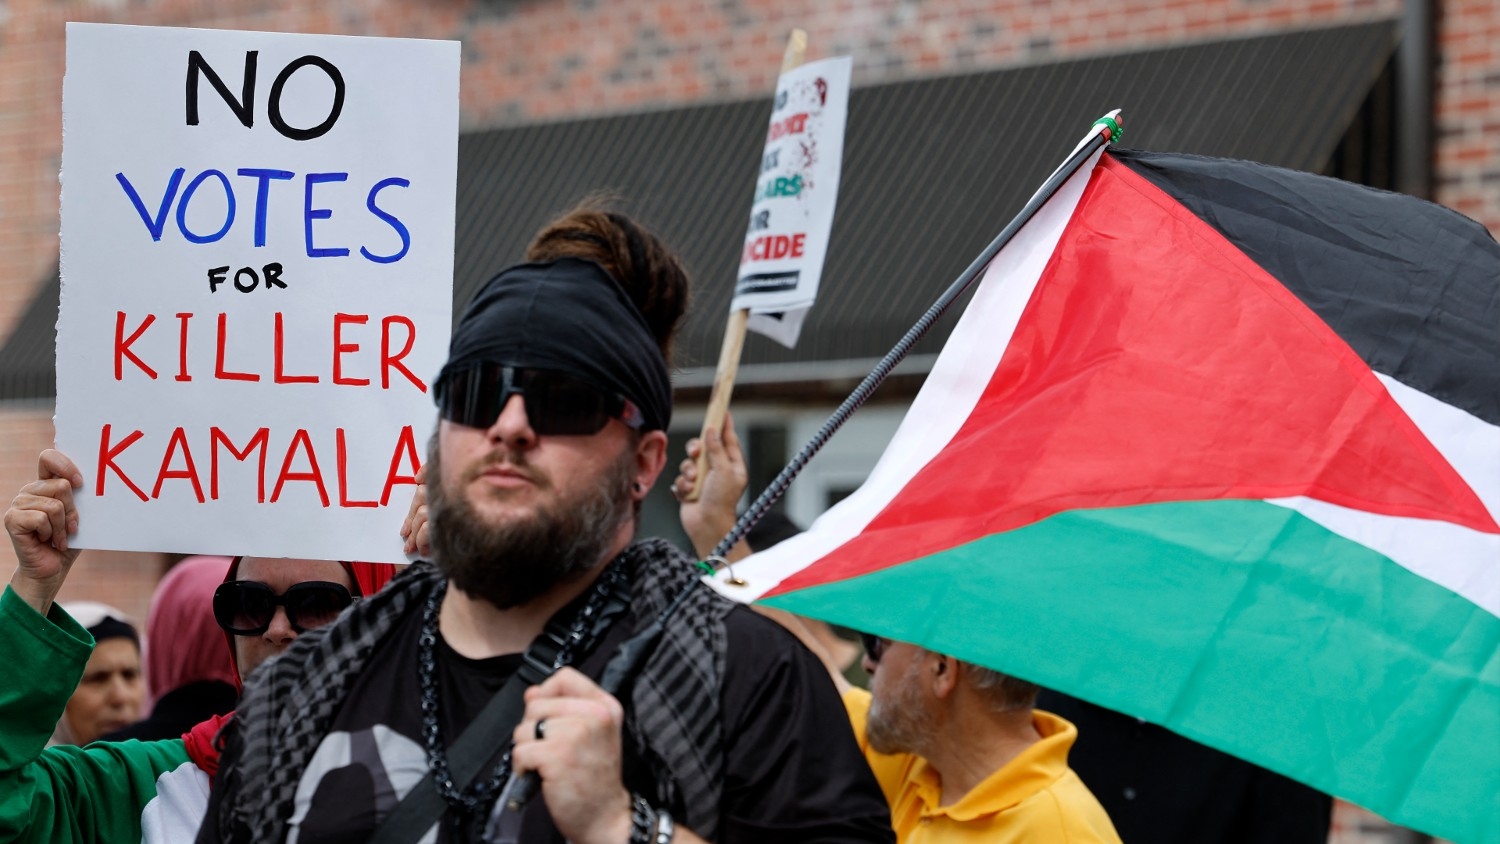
[553,406]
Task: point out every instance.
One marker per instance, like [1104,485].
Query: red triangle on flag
[1156,362]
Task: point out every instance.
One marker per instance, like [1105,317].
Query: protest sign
[257,259]
[792,213]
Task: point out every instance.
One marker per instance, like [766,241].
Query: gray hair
[1006,693]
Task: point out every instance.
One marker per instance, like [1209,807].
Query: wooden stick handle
[718,400]
[734,330]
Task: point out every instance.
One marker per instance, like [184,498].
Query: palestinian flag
[1217,445]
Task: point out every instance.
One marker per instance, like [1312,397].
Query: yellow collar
[1036,768]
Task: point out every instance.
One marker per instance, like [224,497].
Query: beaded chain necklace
[581,636]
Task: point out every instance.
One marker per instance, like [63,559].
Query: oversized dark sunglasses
[246,608]
[874,645]
[557,403]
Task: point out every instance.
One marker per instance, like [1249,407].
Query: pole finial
[1113,128]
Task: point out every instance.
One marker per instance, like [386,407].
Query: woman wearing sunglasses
[125,791]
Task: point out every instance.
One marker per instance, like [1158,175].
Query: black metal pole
[878,375]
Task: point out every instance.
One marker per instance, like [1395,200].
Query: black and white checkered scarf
[672,718]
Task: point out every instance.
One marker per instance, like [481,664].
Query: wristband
[664,827]
[643,821]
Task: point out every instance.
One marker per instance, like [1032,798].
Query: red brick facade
[538,60]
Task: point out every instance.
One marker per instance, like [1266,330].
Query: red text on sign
[771,246]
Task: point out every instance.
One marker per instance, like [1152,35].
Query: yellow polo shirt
[1036,798]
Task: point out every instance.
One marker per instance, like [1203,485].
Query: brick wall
[528,61]
[1467,174]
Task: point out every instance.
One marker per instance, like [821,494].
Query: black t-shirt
[1161,788]
[792,769]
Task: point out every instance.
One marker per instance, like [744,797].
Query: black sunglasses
[874,645]
[246,608]
[557,403]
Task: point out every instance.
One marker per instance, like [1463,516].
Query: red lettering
[216,437]
[107,455]
[280,356]
[794,125]
[182,335]
[314,474]
[219,371]
[179,440]
[340,347]
[771,246]
[407,444]
[343,467]
[389,361]
[122,346]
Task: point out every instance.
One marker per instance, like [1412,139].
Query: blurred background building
[961,108]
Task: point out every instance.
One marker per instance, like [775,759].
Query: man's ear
[943,675]
[650,459]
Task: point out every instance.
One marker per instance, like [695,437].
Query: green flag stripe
[1227,621]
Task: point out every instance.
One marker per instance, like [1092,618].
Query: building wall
[541,60]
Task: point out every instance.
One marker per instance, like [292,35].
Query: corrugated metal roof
[933,169]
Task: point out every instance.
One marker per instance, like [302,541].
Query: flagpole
[739,319]
[1109,132]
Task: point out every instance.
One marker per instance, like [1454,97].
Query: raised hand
[709,518]
[39,522]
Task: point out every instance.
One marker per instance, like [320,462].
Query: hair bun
[650,273]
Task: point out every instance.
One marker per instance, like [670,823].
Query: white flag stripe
[1470,444]
[958,378]
[1459,559]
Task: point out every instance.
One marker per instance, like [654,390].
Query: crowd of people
[542,675]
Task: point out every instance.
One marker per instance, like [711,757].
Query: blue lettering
[309,213]
[391,220]
[187,196]
[153,225]
[262,195]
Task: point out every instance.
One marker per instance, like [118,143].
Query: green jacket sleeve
[63,794]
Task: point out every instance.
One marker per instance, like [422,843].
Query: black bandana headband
[567,315]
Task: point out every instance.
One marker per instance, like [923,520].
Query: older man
[959,750]
[553,405]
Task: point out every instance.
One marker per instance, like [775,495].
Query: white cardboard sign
[792,215]
[257,262]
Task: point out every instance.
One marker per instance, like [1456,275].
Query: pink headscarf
[183,642]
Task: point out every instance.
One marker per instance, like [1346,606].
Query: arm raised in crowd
[710,517]
[59,794]
[38,522]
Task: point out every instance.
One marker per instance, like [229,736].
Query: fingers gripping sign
[39,521]
[577,754]
[708,518]
[416,530]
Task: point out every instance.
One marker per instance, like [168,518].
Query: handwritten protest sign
[257,257]
[792,215]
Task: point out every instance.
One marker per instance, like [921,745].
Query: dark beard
[513,563]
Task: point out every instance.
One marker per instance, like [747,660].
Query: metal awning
[933,169]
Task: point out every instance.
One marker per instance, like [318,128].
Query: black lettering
[273,275]
[243,108]
[216,278]
[254,279]
[274,106]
